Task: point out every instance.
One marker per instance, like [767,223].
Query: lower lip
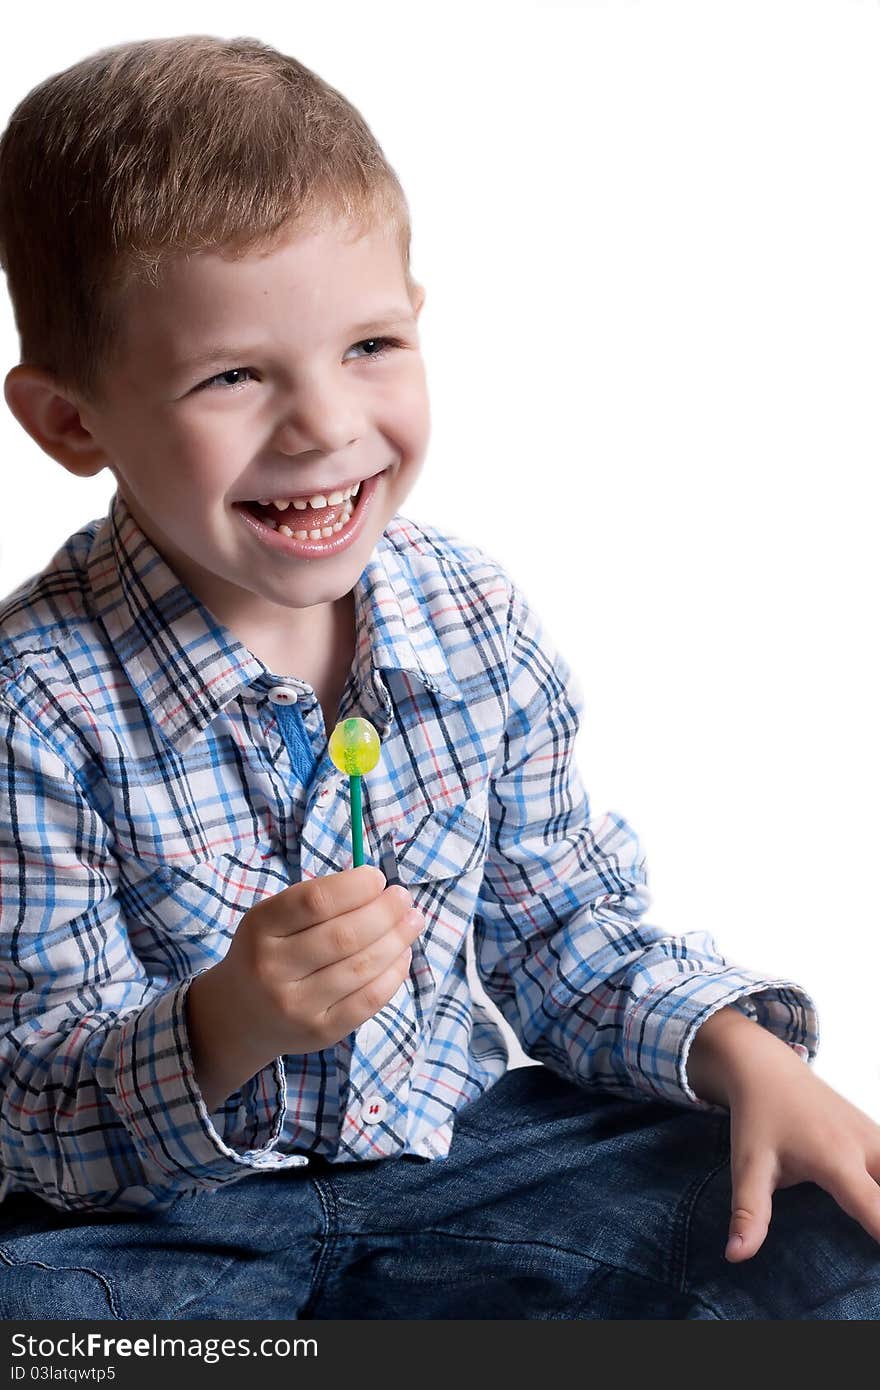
[328,545]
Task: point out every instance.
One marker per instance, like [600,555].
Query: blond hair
[147,151]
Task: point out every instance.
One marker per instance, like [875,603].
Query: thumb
[751,1205]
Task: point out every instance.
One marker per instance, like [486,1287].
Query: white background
[648,231]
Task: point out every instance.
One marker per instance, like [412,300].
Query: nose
[323,417]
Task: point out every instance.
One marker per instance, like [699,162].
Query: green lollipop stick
[354,748]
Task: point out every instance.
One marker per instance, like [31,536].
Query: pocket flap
[443,844]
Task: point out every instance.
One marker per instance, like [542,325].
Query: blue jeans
[552,1203]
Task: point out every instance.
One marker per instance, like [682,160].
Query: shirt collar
[185,665]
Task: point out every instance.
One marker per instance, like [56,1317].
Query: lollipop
[354,748]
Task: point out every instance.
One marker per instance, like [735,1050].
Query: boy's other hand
[792,1127]
[786,1126]
[305,968]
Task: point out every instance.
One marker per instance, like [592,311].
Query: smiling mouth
[309,523]
[304,522]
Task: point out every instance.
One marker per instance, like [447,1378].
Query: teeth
[316,533]
[281,504]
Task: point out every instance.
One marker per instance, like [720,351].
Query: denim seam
[685,1285]
[327,1198]
[682,1228]
[677,1271]
[688,1204]
[537,1244]
[102,1279]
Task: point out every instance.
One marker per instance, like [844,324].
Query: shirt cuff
[160,1103]
[252,1117]
[662,1024]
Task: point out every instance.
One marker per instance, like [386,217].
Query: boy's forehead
[319,273]
[317,270]
[325,250]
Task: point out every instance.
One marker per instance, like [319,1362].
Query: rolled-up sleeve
[561,943]
[99,1103]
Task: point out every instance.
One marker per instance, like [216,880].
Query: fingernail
[733,1246]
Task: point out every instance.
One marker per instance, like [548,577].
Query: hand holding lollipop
[354,748]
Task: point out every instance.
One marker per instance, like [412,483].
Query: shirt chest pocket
[439,857]
[448,843]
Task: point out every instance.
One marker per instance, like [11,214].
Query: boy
[241,1079]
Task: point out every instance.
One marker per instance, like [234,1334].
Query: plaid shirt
[159,780]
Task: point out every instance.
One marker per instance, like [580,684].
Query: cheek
[203,465]
[403,403]
[213,429]
[404,479]
[412,423]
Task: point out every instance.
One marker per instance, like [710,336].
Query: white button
[373,1110]
[283,695]
[324,793]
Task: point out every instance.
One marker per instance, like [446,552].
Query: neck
[323,656]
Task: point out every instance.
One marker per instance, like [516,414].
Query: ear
[52,418]
[418,299]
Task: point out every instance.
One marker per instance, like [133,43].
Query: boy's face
[301,403]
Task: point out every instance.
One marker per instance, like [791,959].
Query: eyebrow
[386,319]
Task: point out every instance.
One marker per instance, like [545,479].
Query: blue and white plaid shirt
[158,780]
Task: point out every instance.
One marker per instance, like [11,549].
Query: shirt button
[283,695]
[323,793]
[373,1110]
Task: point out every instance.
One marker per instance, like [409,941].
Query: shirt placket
[309,834]
[373,1063]
[379,1055]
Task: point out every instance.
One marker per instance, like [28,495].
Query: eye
[221,377]
[382,345]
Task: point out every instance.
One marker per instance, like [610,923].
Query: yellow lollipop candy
[354,748]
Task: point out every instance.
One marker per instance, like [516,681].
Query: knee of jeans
[32,1290]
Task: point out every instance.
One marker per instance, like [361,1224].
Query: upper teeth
[319,500]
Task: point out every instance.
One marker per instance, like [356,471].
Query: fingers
[754,1179]
[859,1196]
[753,1182]
[352,934]
[353,977]
[304,905]
[348,1013]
